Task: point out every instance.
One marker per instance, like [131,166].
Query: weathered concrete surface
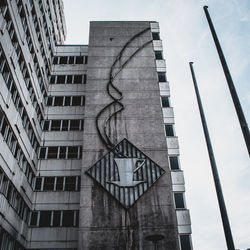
[105,224]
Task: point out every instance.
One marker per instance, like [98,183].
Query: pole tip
[190,63]
[205,7]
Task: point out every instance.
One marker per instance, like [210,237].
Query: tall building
[89,156]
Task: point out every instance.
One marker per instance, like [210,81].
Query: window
[48,183]
[61,79]
[55,125]
[70,183]
[45,125]
[156,36]
[76,101]
[38,185]
[162,77]
[169,130]
[72,152]
[68,218]
[52,152]
[165,101]
[65,125]
[179,200]
[58,101]
[79,59]
[63,59]
[69,79]
[185,242]
[45,219]
[174,163]
[78,79]
[33,219]
[62,154]
[59,183]
[74,124]
[42,154]
[57,219]
[158,55]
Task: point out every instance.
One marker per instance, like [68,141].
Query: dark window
[161,77]
[71,60]
[165,102]
[84,78]
[52,153]
[158,55]
[74,124]
[49,101]
[69,79]
[33,219]
[38,184]
[52,79]
[55,125]
[179,200]
[42,153]
[77,78]
[70,183]
[169,130]
[62,154]
[72,152]
[58,101]
[55,60]
[156,36]
[67,101]
[48,183]
[185,242]
[86,59]
[45,217]
[79,60]
[174,163]
[76,100]
[59,184]
[65,125]
[81,127]
[61,79]
[45,125]
[56,218]
[63,59]
[68,218]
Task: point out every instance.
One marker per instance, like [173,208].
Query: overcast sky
[186,37]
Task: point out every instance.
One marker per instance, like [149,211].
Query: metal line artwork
[126,179]
[117,96]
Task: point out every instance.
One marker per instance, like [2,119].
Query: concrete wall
[104,224]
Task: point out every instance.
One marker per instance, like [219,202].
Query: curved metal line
[116,100]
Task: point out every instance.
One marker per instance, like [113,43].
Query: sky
[186,37]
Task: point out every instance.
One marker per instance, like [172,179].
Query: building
[89,157]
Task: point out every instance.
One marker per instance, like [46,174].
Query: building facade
[89,156]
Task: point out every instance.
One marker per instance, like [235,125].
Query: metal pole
[236,101]
[223,210]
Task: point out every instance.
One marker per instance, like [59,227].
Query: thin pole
[223,210]
[236,101]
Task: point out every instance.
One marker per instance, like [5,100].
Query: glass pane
[174,164]
[58,101]
[56,218]
[60,79]
[76,101]
[69,79]
[155,36]
[72,152]
[77,78]
[42,153]
[162,77]
[55,125]
[74,124]
[52,152]
[65,125]
[46,125]
[68,218]
[59,184]
[48,183]
[185,242]
[179,201]
[33,219]
[45,217]
[38,184]
[165,102]
[158,55]
[70,183]
[169,130]
[62,154]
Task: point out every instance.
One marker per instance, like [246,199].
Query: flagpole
[236,101]
[222,205]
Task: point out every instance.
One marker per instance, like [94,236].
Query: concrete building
[89,156]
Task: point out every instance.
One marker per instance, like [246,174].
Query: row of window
[9,81]
[62,125]
[65,100]
[24,22]
[61,152]
[13,197]
[58,218]
[68,79]
[7,242]
[15,148]
[70,60]
[58,183]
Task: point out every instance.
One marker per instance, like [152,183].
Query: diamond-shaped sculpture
[126,173]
